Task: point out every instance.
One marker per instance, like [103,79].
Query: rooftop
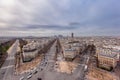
[108,53]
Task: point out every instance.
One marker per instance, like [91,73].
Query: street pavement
[49,73]
[7,69]
[45,69]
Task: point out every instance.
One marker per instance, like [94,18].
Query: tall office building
[72,35]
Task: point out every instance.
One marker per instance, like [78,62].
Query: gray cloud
[83,17]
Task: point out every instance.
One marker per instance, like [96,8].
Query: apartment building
[107,58]
[69,54]
[72,49]
[30,51]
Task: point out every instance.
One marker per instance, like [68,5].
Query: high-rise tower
[72,35]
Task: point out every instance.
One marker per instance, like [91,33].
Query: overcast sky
[49,17]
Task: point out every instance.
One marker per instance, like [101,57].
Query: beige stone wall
[107,62]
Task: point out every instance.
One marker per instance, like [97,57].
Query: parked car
[39,78]
[22,78]
[35,71]
[29,76]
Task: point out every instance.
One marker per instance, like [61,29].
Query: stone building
[107,58]
[30,51]
[69,54]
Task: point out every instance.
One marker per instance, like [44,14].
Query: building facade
[30,51]
[107,58]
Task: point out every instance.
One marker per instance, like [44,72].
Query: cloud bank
[50,17]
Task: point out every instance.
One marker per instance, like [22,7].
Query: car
[22,78]
[29,76]
[41,63]
[30,73]
[35,71]
[41,69]
[39,78]
[85,68]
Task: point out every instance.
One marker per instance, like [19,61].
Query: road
[47,65]
[47,68]
[7,69]
[79,73]
[48,72]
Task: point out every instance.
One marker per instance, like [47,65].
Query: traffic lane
[42,71]
[82,73]
[8,62]
[11,62]
[2,72]
[8,69]
[48,57]
[5,63]
[80,69]
[79,72]
[11,73]
[9,77]
[46,65]
[18,76]
[8,74]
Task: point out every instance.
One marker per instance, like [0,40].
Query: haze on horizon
[52,17]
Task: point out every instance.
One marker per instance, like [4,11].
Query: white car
[22,78]
[29,76]
[35,71]
[85,68]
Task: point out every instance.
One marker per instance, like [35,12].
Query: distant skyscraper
[72,35]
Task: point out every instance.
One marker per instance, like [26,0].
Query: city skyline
[51,17]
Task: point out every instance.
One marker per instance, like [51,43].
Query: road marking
[7,67]
[10,58]
[13,47]
[81,64]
